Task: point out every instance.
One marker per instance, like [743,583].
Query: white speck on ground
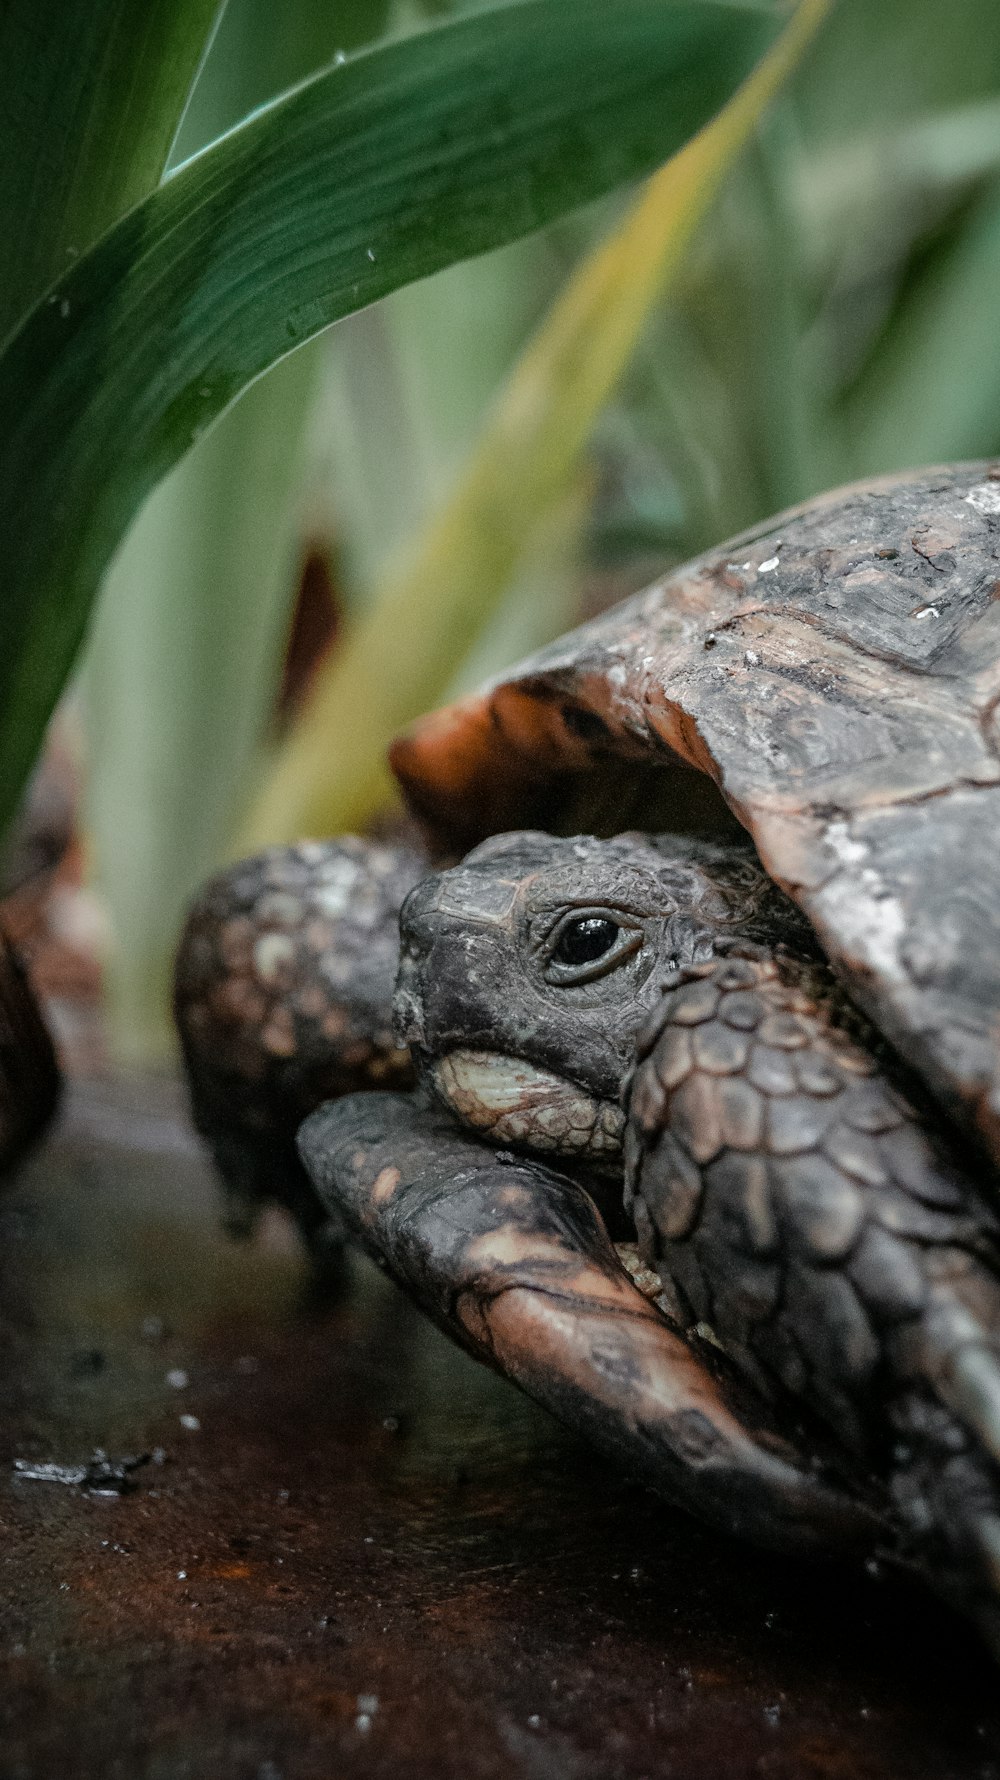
[985,497]
[49,1473]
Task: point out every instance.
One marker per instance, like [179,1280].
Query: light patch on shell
[337,888]
[272,953]
[514,1102]
[860,906]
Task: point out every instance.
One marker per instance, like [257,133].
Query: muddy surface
[351,1552]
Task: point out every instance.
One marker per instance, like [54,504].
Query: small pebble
[191,1423]
[178,1379]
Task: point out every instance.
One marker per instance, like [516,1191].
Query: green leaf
[93,91]
[372,174]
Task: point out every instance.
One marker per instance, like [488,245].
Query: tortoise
[690,1119]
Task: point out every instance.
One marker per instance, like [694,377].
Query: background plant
[831,315]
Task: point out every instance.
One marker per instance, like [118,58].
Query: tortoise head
[527,971]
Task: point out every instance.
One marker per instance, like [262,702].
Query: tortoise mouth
[511,1101]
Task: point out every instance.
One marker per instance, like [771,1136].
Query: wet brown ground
[364,1555]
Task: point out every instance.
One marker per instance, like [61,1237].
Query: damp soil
[349,1551]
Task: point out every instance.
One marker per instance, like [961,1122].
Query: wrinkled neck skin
[527,972]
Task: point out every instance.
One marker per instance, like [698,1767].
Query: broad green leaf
[372,174]
[93,91]
[331,773]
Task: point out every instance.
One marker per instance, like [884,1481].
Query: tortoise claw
[513,1261]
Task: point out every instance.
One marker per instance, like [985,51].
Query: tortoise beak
[436,914]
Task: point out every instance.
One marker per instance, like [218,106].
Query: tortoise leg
[513,1261]
[283,999]
[835,1249]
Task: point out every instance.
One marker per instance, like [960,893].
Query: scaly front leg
[514,1262]
[805,1214]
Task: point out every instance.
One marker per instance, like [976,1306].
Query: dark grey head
[527,971]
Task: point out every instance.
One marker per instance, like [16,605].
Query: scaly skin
[804,1213]
[282,995]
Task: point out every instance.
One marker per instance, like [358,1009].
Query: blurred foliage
[833,317]
[378,170]
[185,652]
[520,473]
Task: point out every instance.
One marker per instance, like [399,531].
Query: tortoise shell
[834,674]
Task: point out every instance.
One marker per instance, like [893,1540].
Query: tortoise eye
[585,946]
[583,941]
